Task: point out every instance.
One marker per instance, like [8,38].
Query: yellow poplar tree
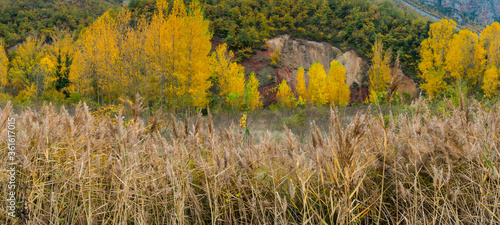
[252,93]
[134,65]
[317,82]
[490,40]
[491,82]
[196,54]
[465,59]
[301,85]
[230,76]
[178,50]
[28,72]
[380,72]
[337,89]
[285,96]
[434,82]
[47,67]
[167,58]
[4,62]
[433,55]
[95,67]
[235,90]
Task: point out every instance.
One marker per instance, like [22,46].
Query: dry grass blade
[423,167]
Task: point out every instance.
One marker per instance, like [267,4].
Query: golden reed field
[418,166]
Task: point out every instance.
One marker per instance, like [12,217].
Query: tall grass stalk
[415,167]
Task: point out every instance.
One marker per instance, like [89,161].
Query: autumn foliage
[337,89]
[380,72]
[285,96]
[168,59]
[4,63]
[449,58]
[323,88]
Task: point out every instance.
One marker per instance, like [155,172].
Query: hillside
[19,18]
[471,12]
[245,25]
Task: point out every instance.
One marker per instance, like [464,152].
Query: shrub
[54,96]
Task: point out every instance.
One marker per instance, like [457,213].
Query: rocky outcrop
[483,11]
[409,86]
[296,53]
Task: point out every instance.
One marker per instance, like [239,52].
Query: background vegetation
[22,18]
[246,24]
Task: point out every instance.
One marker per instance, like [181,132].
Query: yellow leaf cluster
[337,89]
[252,93]
[285,96]
[380,72]
[433,55]
[434,82]
[275,57]
[167,58]
[231,83]
[230,77]
[317,83]
[465,59]
[449,57]
[324,88]
[95,67]
[30,66]
[491,81]
[4,62]
[301,85]
[490,40]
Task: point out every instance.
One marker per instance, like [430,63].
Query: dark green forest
[20,18]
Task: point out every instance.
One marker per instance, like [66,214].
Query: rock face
[483,11]
[409,86]
[296,53]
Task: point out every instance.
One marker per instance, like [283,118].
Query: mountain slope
[480,12]
[350,25]
[19,18]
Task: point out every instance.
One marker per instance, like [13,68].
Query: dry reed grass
[417,168]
